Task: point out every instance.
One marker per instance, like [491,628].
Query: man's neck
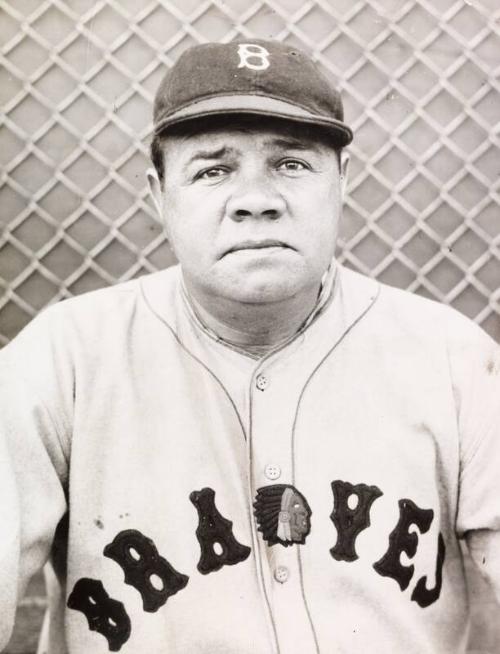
[252,326]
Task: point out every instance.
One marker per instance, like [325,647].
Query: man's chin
[270,279]
[261,291]
[256,286]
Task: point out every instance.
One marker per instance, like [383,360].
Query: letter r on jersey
[251,51]
[141,563]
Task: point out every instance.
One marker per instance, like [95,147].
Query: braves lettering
[421,594]
[402,540]
[283,516]
[147,571]
[104,614]
[218,545]
[350,522]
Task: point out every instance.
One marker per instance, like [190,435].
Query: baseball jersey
[193,499]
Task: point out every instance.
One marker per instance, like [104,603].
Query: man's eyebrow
[292,144]
[209,154]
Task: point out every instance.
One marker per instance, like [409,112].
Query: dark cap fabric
[249,77]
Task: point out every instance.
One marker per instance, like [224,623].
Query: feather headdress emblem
[283,514]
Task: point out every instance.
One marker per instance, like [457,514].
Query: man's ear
[155,191]
[344,170]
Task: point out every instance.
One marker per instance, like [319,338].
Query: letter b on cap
[253,56]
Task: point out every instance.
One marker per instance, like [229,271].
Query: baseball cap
[257,77]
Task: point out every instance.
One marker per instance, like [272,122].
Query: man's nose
[255,198]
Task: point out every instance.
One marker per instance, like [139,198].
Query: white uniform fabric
[117,406]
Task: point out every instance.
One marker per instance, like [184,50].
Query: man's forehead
[270,133]
[226,142]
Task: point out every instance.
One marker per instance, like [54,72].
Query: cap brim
[256,105]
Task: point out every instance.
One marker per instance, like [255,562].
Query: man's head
[249,172]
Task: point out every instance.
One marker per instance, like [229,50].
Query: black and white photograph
[250,327]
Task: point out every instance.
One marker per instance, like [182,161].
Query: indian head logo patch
[283,515]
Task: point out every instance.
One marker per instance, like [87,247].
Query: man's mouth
[258,245]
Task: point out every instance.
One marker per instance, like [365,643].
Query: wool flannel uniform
[193,499]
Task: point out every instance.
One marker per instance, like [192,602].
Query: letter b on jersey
[253,56]
[104,614]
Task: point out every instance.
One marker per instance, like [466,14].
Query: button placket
[272,464]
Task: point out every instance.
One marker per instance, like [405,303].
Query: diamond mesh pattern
[420,86]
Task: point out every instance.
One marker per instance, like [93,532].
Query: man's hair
[210,123]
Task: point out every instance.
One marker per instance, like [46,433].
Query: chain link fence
[419,82]
[420,87]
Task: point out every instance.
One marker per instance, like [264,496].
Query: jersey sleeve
[34,456]
[475,368]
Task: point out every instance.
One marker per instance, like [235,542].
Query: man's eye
[211,173]
[292,165]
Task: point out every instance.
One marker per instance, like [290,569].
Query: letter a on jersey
[215,535]
[253,56]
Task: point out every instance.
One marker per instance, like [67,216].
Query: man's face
[251,210]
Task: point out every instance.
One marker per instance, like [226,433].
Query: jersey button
[262,382]
[272,471]
[281,574]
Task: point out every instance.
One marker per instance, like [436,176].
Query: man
[257,451]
